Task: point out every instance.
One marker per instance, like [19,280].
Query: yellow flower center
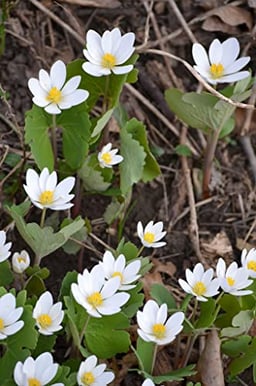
[230,281]
[54,95]
[88,378]
[1,324]
[21,259]
[251,265]
[107,158]
[149,237]
[44,320]
[216,70]
[108,61]
[34,382]
[199,288]
[95,299]
[46,197]
[119,274]
[159,330]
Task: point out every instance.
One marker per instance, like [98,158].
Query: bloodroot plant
[101,313]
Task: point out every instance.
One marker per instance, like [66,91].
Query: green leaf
[138,131]
[6,275]
[100,332]
[183,150]
[101,123]
[135,301]
[37,124]
[176,375]
[201,111]
[92,176]
[70,277]
[145,353]
[245,360]
[241,323]
[162,295]
[43,241]
[128,249]
[234,347]
[44,343]
[76,134]
[132,166]
[207,314]
[113,210]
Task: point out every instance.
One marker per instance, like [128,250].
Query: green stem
[153,360]
[84,329]
[42,217]
[54,140]
[140,251]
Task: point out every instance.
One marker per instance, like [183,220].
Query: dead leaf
[252,3]
[220,246]
[154,276]
[167,267]
[223,17]
[94,3]
[210,363]
[241,244]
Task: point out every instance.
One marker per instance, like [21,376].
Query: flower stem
[212,141]
[42,217]
[140,251]
[54,140]
[153,360]
[83,330]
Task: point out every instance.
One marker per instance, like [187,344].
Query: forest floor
[40,32]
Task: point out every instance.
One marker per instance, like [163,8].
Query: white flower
[248,260]
[153,326]
[51,92]
[233,280]
[200,283]
[4,248]
[148,382]
[44,192]
[107,157]
[108,53]
[117,268]
[20,261]
[151,235]
[36,372]
[221,65]
[91,374]
[48,316]
[96,295]
[9,315]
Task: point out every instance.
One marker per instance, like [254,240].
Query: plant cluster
[97,308]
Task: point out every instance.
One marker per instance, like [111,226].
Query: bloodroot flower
[107,157]
[108,53]
[154,325]
[233,280]
[248,260]
[220,65]
[48,316]
[127,273]
[44,192]
[51,92]
[151,235]
[36,372]
[91,374]
[200,283]
[9,316]
[4,247]
[20,261]
[96,295]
